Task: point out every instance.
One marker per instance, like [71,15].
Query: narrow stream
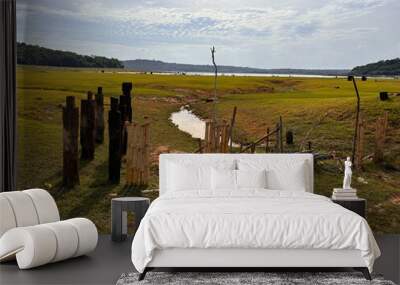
[189,123]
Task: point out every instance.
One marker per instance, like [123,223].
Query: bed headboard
[210,158]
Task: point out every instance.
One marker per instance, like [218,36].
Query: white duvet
[250,219]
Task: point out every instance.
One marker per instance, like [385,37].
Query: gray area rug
[269,278]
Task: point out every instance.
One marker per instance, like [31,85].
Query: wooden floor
[110,260]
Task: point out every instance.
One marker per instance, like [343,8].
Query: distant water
[253,74]
[235,74]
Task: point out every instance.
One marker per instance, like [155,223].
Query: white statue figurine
[347,174]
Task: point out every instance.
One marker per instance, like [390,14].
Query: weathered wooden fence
[138,154]
[70,143]
[216,137]
[267,139]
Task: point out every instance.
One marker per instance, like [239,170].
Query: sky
[323,34]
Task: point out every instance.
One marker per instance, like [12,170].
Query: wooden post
[289,137]
[277,138]
[88,123]
[146,153]
[226,138]
[383,96]
[70,143]
[280,134]
[310,146]
[99,115]
[212,137]
[131,154]
[138,154]
[114,148]
[126,91]
[200,146]
[267,142]
[207,137]
[360,145]
[231,128]
[223,137]
[123,108]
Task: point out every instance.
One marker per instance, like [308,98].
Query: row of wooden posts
[125,137]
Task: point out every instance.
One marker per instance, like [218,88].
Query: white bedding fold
[250,219]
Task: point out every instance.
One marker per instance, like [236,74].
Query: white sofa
[31,231]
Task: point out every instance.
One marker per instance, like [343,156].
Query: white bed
[248,227]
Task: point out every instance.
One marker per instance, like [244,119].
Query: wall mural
[104,89]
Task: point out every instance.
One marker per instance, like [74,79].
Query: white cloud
[245,25]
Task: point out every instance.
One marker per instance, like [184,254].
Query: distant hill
[383,67]
[160,66]
[36,55]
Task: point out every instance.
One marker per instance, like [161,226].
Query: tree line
[383,67]
[36,55]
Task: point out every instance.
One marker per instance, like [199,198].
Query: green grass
[260,101]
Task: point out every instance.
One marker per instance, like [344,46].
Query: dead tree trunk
[88,127]
[99,115]
[70,143]
[215,84]
[114,148]
[357,119]
[360,145]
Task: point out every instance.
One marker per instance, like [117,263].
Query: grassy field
[260,101]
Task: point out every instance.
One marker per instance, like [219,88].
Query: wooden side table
[119,216]
[357,205]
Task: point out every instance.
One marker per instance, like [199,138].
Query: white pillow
[251,178]
[188,177]
[223,179]
[281,174]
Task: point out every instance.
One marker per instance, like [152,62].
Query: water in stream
[189,123]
